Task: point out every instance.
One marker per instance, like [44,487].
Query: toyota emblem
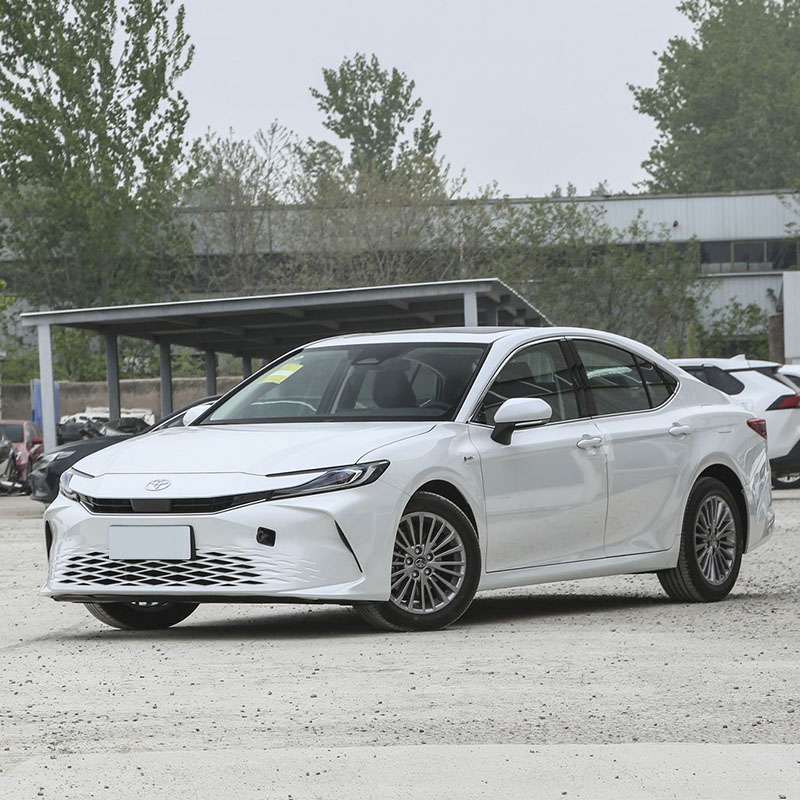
[157,485]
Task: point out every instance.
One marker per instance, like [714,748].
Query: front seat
[393,390]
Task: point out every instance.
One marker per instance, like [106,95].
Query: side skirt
[592,568]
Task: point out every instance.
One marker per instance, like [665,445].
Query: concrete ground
[591,689]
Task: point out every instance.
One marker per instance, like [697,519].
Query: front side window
[613,378]
[539,371]
[396,381]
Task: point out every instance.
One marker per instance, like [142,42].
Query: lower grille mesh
[211,568]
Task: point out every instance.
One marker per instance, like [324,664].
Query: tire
[140,617]
[431,530]
[712,542]
[790,481]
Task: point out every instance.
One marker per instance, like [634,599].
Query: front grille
[210,568]
[159,505]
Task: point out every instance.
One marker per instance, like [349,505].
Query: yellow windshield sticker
[280,374]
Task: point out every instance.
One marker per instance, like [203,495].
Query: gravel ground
[575,683]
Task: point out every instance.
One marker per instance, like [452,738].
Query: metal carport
[268,325]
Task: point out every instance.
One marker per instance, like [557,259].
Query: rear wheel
[435,568]
[141,615]
[712,542]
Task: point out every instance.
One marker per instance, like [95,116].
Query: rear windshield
[396,381]
[718,378]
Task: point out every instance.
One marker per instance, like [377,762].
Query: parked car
[760,387]
[124,426]
[77,430]
[47,472]
[27,441]
[402,472]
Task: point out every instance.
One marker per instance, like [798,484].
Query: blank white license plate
[145,542]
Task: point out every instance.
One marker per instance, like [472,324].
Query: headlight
[65,481]
[329,480]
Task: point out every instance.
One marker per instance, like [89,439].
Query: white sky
[531,93]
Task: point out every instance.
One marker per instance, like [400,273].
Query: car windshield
[397,381]
[12,431]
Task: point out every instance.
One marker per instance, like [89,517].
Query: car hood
[252,449]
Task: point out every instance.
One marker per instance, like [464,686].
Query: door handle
[587,442]
[678,429]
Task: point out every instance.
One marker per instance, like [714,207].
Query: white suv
[765,389]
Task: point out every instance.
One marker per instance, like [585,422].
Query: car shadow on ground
[293,622]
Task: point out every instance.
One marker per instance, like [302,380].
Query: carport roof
[263,325]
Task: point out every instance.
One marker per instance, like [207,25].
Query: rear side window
[613,377]
[718,378]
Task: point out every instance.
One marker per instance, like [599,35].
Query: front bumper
[333,547]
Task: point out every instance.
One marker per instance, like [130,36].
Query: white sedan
[402,472]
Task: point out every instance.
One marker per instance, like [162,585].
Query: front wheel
[141,615]
[436,565]
[712,542]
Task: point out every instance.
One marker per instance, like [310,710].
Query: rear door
[647,443]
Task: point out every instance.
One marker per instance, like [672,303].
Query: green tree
[727,100]
[734,329]
[377,114]
[377,200]
[91,143]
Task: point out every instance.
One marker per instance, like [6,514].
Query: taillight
[759,426]
[786,401]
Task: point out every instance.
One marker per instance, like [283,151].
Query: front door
[546,491]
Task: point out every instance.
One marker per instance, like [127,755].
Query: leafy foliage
[727,99]
[91,142]
[736,328]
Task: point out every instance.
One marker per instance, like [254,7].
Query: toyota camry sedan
[401,473]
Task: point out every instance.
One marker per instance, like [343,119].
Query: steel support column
[165,371]
[247,366]
[112,377]
[211,372]
[45,342]
[470,309]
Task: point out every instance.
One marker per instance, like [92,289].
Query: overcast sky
[530,93]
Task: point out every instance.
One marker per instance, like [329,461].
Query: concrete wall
[138,393]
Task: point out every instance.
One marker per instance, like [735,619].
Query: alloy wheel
[715,539]
[428,563]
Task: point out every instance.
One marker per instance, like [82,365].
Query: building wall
[139,393]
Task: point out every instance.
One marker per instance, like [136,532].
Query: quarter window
[539,371]
[613,378]
[660,385]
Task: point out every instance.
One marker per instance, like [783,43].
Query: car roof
[480,335]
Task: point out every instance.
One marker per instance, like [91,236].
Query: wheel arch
[726,475]
[450,492]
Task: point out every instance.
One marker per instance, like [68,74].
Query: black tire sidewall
[703,489]
[406,621]
[127,616]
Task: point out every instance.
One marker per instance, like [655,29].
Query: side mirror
[191,414]
[519,411]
